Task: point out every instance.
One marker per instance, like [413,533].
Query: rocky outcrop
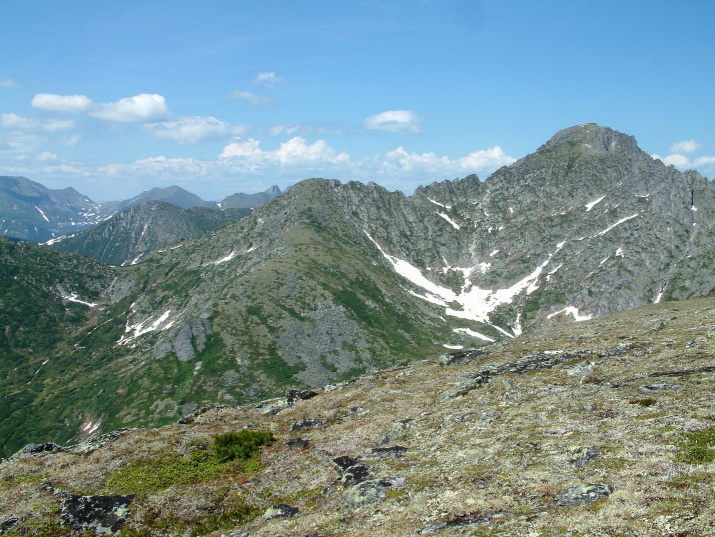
[102,514]
[188,339]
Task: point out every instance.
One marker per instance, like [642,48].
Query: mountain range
[331,280]
[33,212]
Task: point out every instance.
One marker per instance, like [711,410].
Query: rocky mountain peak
[592,137]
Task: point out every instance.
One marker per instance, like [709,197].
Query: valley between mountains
[329,281]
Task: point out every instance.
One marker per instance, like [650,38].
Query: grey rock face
[185,340]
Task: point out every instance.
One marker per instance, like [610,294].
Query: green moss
[153,474]
[697,447]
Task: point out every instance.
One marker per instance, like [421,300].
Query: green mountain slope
[128,236]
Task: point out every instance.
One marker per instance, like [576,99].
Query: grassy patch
[698,447]
[231,454]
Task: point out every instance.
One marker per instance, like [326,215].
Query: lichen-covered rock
[395,432]
[103,514]
[650,388]
[582,455]
[368,492]
[306,423]
[281,510]
[32,449]
[583,494]
[582,369]
[293,395]
[8,525]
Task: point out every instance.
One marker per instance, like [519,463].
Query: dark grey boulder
[103,514]
[583,494]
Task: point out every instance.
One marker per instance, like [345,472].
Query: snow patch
[455,225]
[440,204]
[472,333]
[552,272]
[139,329]
[660,294]
[43,214]
[136,259]
[619,253]
[592,204]
[73,298]
[453,347]
[570,310]
[58,239]
[224,259]
[474,303]
[609,228]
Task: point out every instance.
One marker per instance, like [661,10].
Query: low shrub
[240,445]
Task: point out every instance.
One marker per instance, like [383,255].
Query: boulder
[583,494]
[103,514]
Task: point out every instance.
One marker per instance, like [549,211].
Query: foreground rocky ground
[604,427]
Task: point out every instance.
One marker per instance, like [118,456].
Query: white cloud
[247,148]
[404,121]
[294,152]
[193,130]
[484,161]
[144,107]
[704,161]
[73,104]
[46,156]
[267,79]
[252,99]
[155,165]
[54,125]
[13,121]
[686,146]
[9,83]
[277,130]
[72,140]
[674,159]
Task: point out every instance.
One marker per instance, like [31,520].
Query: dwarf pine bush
[240,445]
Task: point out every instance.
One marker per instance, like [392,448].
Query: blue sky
[219,97]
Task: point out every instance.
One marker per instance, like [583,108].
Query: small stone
[393,451]
[460,357]
[306,424]
[582,455]
[355,474]
[583,494]
[396,432]
[297,443]
[281,510]
[369,492]
[8,525]
[507,383]
[650,388]
[293,395]
[582,369]
[344,462]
